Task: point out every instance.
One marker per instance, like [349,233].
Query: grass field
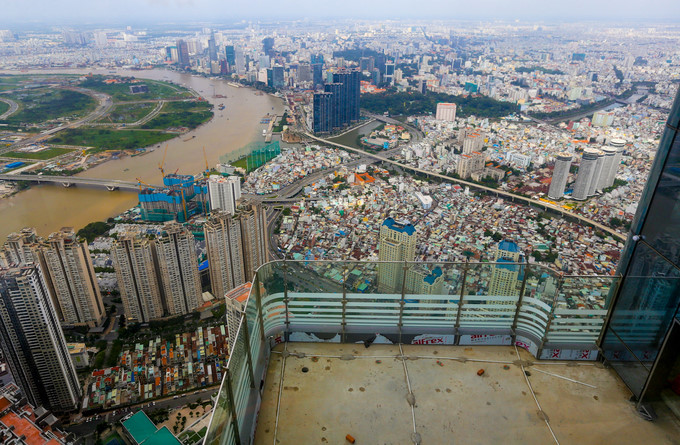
[3,107]
[110,139]
[41,105]
[186,106]
[242,163]
[121,91]
[178,119]
[128,113]
[48,153]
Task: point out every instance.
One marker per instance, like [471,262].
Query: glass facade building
[641,339]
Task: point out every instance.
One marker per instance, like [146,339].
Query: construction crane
[207,169]
[140,182]
[162,163]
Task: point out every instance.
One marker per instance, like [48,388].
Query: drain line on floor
[531,389]
[278,402]
[411,398]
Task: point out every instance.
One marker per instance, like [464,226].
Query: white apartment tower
[73,279]
[224,192]
[33,343]
[133,259]
[235,301]
[560,175]
[225,252]
[397,243]
[504,277]
[446,112]
[586,173]
[253,221]
[178,269]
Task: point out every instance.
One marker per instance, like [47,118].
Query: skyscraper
[610,166]
[33,342]
[25,248]
[178,269]
[397,243]
[337,109]
[212,48]
[586,173]
[323,114]
[183,54]
[235,301]
[317,74]
[73,279]
[278,77]
[350,93]
[560,175]
[133,259]
[224,192]
[230,55]
[253,221]
[340,104]
[504,277]
[225,252]
[268,46]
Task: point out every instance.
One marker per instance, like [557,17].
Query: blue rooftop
[508,246]
[511,267]
[403,228]
[436,273]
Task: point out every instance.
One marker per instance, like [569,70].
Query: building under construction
[180,198]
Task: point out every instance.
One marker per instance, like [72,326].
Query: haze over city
[150,12]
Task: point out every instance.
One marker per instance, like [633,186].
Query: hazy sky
[137,11]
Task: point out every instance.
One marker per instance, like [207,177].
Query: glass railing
[554,316]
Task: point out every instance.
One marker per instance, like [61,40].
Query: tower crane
[162,163]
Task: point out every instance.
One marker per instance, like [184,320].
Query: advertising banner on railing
[495,340]
[529,345]
[428,339]
[568,354]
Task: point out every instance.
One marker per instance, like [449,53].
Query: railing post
[402,302]
[551,316]
[249,356]
[258,302]
[343,323]
[607,318]
[232,408]
[460,301]
[522,289]
[286,334]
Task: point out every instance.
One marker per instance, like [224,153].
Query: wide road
[13,107]
[534,202]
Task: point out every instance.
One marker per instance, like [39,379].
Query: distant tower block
[446,111]
[586,173]
[560,175]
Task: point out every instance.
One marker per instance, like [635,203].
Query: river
[49,207]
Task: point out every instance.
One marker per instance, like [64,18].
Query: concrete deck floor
[453,405]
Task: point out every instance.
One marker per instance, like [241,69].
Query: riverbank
[49,208]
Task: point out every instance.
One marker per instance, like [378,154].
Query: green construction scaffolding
[252,155]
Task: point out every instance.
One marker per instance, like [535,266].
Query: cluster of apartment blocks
[338,105]
[45,282]
[597,172]
[158,277]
